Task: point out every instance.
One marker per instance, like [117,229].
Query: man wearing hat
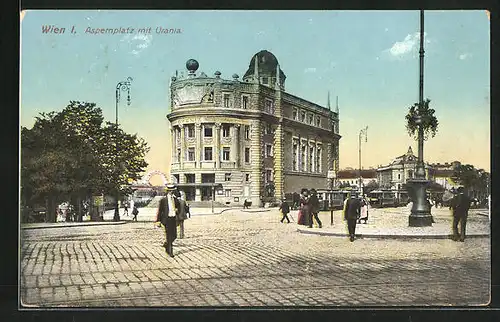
[167,215]
[351,213]
[460,205]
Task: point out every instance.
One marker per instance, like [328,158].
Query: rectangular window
[225,153]
[228,192]
[247,132]
[302,116]
[268,129]
[189,177]
[227,177]
[318,159]
[264,80]
[225,130]
[247,177]
[303,158]
[244,102]
[295,113]
[295,156]
[311,158]
[269,150]
[269,107]
[208,154]
[247,155]
[226,100]
[318,120]
[269,175]
[190,154]
[179,155]
[311,118]
[208,131]
[190,131]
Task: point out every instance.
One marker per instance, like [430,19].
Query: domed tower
[263,69]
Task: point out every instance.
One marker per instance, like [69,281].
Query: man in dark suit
[314,201]
[352,213]
[285,209]
[167,215]
[460,205]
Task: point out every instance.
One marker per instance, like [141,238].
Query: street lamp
[362,133]
[420,215]
[120,87]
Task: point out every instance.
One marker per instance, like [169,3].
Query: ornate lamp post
[121,86]
[420,212]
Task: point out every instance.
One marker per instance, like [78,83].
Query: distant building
[351,177]
[248,139]
[442,174]
[399,171]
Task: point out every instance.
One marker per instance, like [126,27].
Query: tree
[428,119]
[71,155]
[370,186]
[477,182]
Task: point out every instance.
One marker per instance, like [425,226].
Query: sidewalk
[70,224]
[393,223]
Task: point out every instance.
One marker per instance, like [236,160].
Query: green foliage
[72,155]
[371,186]
[476,181]
[429,120]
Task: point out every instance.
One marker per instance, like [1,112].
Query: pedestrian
[460,204]
[314,203]
[246,204]
[364,211]
[285,209]
[135,212]
[305,208]
[181,214]
[125,208]
[166,215]
[352,213]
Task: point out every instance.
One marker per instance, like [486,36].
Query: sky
[369,59]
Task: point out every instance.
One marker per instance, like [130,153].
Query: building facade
[350,177]
[249,140]
[399,171]
[442,173]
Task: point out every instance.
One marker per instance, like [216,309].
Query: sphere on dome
[192,65]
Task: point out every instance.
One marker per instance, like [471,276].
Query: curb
[95,223]
[381,236]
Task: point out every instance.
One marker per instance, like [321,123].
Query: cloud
[138,43]
[464,56]
[310,70]
[409,45]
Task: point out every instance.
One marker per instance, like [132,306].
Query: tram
[332,199]
[388,198]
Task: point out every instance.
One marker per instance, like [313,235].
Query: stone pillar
[172,141]
[183,147]
[217,151]
[256,163]
[197,181]
[235,142]
[197,157]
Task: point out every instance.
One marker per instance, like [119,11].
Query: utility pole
[121,86]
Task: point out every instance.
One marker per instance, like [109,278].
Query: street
[245,259]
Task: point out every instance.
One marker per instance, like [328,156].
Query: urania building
[235,140]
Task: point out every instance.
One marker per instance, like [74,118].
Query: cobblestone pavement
[245,259]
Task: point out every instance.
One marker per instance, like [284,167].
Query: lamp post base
[420,215]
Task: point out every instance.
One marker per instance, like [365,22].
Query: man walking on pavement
[167,215]
[352,213]
[182,214]
[314,208]
[460,205]
[285,209]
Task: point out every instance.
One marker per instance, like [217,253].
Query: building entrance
[206,193]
